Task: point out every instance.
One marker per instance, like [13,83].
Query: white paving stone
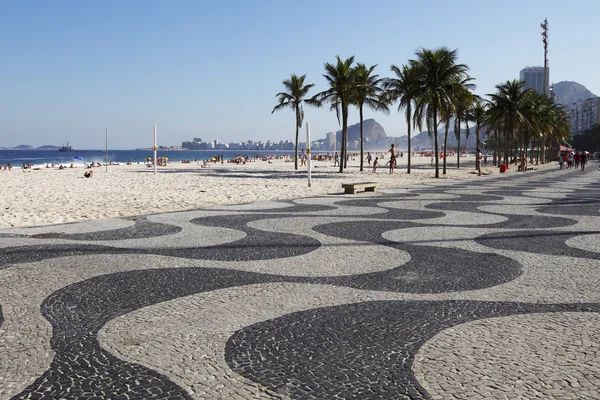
[537,356]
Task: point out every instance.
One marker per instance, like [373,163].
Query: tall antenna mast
[544,33]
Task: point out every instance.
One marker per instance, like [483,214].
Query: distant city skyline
[72,69]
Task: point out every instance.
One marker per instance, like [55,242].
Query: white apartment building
[584,115]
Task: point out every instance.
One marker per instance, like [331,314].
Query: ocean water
[39,158]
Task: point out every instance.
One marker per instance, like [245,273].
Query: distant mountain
[567,92]
[22,147]
[48,147]
[422,140]
[372,132]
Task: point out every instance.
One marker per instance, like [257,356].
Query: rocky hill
[372,132]
[567,92]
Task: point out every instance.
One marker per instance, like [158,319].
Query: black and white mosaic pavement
[478,289]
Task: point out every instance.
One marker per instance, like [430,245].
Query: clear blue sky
[211,69]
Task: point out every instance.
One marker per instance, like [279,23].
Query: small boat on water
[66,148]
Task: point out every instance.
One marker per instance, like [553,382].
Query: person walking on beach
[375,164]
[392,152]
[369,158]
[336,159]
[302,158]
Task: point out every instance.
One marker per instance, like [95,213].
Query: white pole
[106,149]
[308,162]
[154,149]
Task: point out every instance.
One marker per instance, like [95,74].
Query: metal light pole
[544,33]
[106,149]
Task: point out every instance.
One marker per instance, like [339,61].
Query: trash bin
[503,167]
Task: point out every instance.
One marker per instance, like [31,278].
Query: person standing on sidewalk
[583,160]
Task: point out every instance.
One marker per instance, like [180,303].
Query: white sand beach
[52,196]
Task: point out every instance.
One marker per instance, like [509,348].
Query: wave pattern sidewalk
[450,290]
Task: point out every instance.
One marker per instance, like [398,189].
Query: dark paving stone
[430,269]
[391,213]
[477,198]
[542,242]
[513,222]
[507,192]
[257,245]
[16,255]
[77,312]
[296,208]
[357,351]
[580,206]
[141,229]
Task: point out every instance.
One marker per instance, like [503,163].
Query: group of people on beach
[393,161]
[7,167]
[572,159]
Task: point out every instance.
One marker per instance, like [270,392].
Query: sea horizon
[39,158]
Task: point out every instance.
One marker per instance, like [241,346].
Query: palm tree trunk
[477,162]
[362,143]
[506,159]
[297,132]
[344,132]
[458,152]
[445,144]
[495,160]
[437,161]
[542,149]
[409,148]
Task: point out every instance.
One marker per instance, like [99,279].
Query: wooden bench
[527,168]
[350,188]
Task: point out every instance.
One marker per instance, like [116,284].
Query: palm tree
[459,97]
[437,76]
[402,89]
[477,114]
[509,107]
[367,91]
[555,122]
[462,102]
[548,121]
[293,98]
[341,79]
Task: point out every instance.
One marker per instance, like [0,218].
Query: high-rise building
[584,115]
[534,79]
[330,139]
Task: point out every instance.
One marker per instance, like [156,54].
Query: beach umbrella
[78,158]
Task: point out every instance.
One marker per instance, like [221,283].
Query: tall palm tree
[547,121]
[478,115]
[460,97]
[436,77]
[402,89]
[293,98]
[340,95]
[368,91]
[459,118]
[509,105]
